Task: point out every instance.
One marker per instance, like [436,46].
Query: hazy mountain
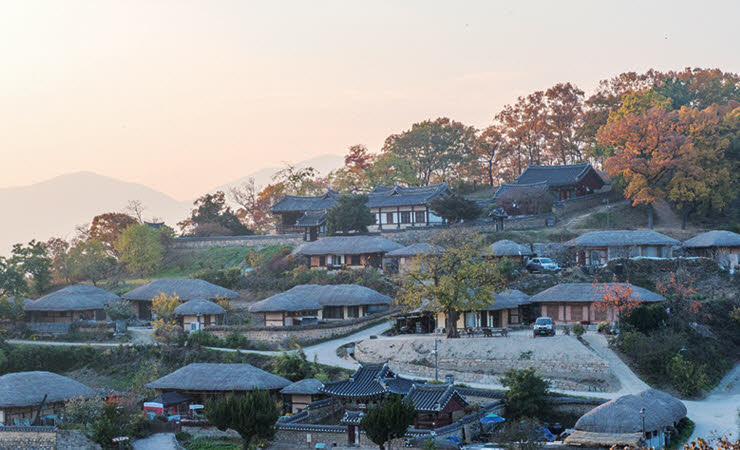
[56,206]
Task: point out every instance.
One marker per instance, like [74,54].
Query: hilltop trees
[106,228]
[210,210]
[140,249]
[349,214]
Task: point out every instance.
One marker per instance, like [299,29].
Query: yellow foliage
[164,306]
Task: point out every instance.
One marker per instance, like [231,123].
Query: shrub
[83,411]
[236,340]
[579,330]
[687,377]
[526,394]
[646,318]
[602,327]
[120,309]
[227,278]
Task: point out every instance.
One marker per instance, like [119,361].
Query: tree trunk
[650,217]
[452,316]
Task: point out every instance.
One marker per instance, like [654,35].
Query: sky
[185,95]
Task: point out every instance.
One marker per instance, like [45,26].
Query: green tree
[90,260]
[454,208]
[388,421]
[83,410]
[689,378]
[527,393]
[34,263]
[457,279]
[292,365]
[212,209]
[11,279]
[252,415]
[350,213]
[119,309]
[141,249]
[11,308]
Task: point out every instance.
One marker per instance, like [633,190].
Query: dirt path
[583,215]
[159,441]
[630,383]
[667,217]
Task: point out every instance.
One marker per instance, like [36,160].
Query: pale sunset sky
[184,95]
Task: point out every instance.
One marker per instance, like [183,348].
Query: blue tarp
[492,418]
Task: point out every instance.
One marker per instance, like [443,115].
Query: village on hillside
[566,277]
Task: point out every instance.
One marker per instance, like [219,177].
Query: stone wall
[255,241]
[564,207]
[41,438]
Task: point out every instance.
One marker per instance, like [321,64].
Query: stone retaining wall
[255,241]
[564,207]
[41,438]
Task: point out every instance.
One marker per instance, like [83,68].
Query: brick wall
[40,438]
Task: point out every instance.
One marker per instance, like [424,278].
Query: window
[389,217]
[354,260]
[576,313]
[322,261]
[514,316]
[419,217]
[333,312]
[353,311]
[406,217]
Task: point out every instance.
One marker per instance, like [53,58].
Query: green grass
[621,216]
[191,442]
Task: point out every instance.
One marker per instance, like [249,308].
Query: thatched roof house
[80,301]
[348,251]
[577,302]
[199,306]
[308,386]
[720,245]
[337,301]
[184,288]
[206,379]
[508,308]
[507,248]
[598,247]
[21,393]
[420,248]
[299,394]
[621,416]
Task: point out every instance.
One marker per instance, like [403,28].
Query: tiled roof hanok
[383,196]
[401,385]
[352,418]
[520,189]
[559,175]
[297,203]
[433,397]
[312,219]
[370,380]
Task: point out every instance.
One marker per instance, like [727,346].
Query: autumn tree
[390,169]
[435,148]
[299,180]
[526,128]
[456,279]
[12,282]
[61,267]
[90,260]
[140,249]
[681,295]
[488,148]
[349,214]
[135,209]
[619,297]
[107,228]
[564,121]
[164,306]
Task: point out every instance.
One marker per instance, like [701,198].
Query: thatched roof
[184,288]
[309,386]
[349,245]
[310,297]
[588,292]
[589,439]
[506,247]
[29,388]
[79,297]
[420,248]
[557,175]
[714,238]
[622,415]
[621,238]
[198,306]
[219,377]
[509,299]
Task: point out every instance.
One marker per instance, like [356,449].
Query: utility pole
[436,359]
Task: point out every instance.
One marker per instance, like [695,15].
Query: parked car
[543,326]
[540,265]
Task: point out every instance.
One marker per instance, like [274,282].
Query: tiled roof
[367,381]
[312,219]
[588,292]
[517,190]
[433,397]
[618,238]
[383,196]
[714,238]
[295,203]
[352,417]
[560,175]
[401,385]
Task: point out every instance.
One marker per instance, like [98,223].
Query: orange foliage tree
[678,288]
[616,296]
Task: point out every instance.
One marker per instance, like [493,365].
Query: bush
[236,340]
[527,393]
[579,330]
[602,327]
[687,377]
[227,278]
[646,318]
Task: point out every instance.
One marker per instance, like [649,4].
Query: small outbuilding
[719,245]
[308,303]
[199,313]
[436,405]
[647,418]
[508,249]
[184,288]
[299,394]
[201,381]
[24,395]
[354,252]
[77,302]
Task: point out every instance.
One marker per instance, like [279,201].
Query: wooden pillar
[398,217]
[426,211]
[413,216]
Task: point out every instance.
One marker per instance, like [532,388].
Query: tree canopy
[252,415]
[140,249]
[388,421]
[350,213]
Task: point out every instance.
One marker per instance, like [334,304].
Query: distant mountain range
[55,207]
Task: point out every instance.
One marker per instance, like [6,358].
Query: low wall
[255,241]
[41,438]
[49,327]
[280,335]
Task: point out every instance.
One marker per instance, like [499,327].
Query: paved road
[159,441]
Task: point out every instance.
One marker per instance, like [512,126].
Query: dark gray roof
[352,417]
[508,300]
[171,399]
[29,388]
[219,377]
[349,245]
[310,297]
[588,292]
[296,203]
[420,248]
[714,238]
[617,238]
[309,386]
[433,397]
[367,381]
[184,288]
[401,385]
[517,190]
[506,247]
[312,219]
[560,175]
[79,297]
[198,306]
[621,415]
[396,195]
